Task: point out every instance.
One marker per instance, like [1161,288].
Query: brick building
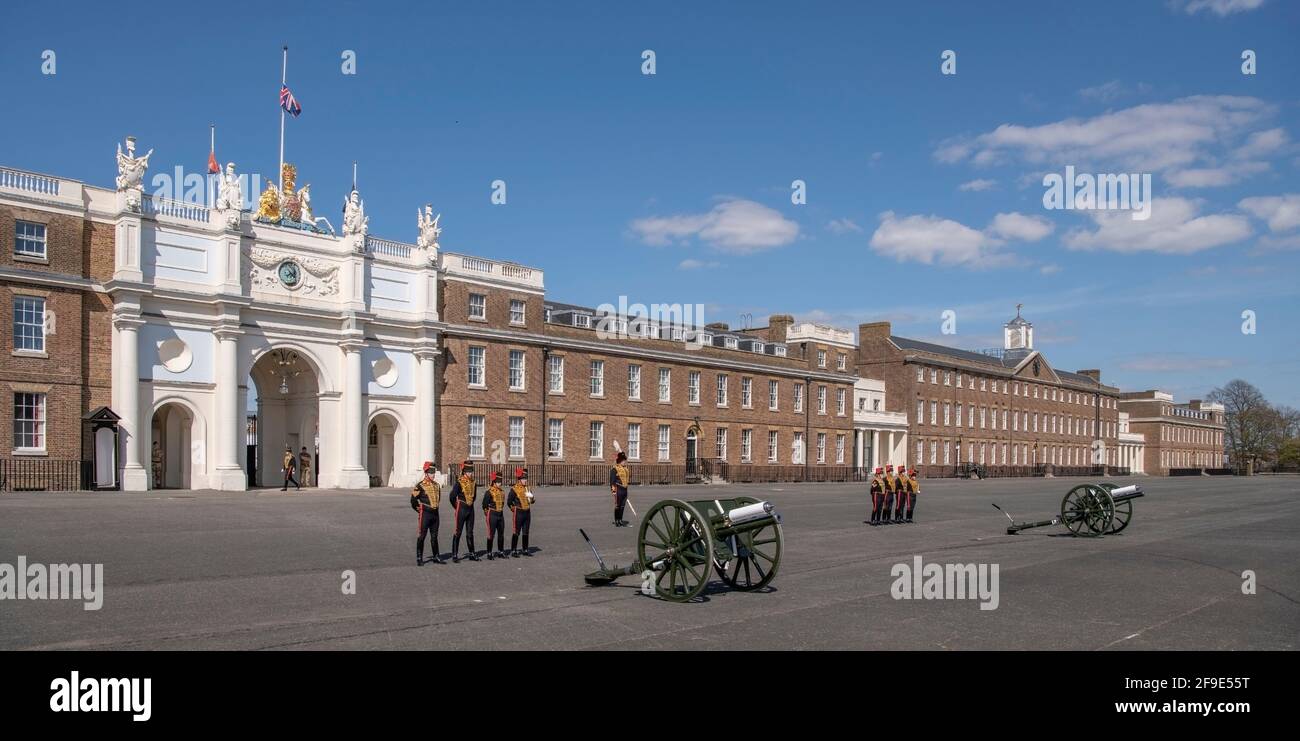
[1008,410]
[549,385]
[1177,436]
[54,247]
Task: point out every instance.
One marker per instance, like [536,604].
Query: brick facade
[1025,412]
[74,370]
[1187,436]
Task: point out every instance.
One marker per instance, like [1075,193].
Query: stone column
[426,403]
[354,475]
[228,431]
[134,475]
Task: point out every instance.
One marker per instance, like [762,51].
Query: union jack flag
[288,102]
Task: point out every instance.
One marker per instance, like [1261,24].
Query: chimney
[778,326]
[717,326]
[873,331]
[1093,373]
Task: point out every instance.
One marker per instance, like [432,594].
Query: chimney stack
[778,327]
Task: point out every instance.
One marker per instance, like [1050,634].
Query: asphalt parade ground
[268,570]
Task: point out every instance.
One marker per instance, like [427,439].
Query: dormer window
[780,351]
[730,343]
[758,347]
[582,320]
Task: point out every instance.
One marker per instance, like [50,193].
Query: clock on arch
[289,273]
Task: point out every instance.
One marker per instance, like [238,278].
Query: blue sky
[676,187]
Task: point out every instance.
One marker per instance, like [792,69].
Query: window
[821,358]
[720,444]
[983,411]
[984,385]
[958,379]
[477,306]
[839,402]
[821,447]
[934,412]
[634,441]
[747,392]
[821,399]
[920,375]
[516,311]
[773,395]
[722,389]
[947,453]
[796,455]
[29,422]
[516,437]
[934,375]
[597,378]
[746,445]
[920,411]
[665,438]
[665,384]
[516,370]
[29,239]
[476,423]
[772,440]
[477,374]
[958,415]
[555,373]
[947,378]
[29,323]
[920,452]
[633,382]
[798,397]
[970,416]
[596,440]
[947,413]
[839,449]
[555,438]
[582,320]
[693,387]
[841,361]
[934,449]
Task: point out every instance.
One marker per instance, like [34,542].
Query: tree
[1251,424]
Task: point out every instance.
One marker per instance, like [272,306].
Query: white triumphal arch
[223,315]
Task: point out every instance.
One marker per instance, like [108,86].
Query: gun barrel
[1125,493]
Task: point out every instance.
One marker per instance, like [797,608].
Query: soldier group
[893,492]
[426,495]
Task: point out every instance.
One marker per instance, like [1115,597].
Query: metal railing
[43,474]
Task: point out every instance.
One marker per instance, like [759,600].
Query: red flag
[213,167]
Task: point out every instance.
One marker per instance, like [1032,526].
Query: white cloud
[1261,143]
[1020,228]
[930,239]
[1173,228]
[1218,7]
[1150,137]
[976,186]
[1173,363]
[1050,269]
[735,225]
[843,226]
[933,239]
[1209,177]
[1110,91]
[1281,212]
[691,263]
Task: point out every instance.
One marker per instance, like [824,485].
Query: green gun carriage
[1089,510]
[681,544]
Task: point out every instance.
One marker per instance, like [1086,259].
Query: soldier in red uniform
[425,496]
[889,494]
[520,502]
[877,495]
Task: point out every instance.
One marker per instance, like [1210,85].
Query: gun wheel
[1123,511]
[676,544]
[758,555]
[1087,510]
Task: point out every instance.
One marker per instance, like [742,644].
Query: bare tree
[1251,423]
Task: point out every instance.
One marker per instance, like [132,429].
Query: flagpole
[284,71]
[212,147]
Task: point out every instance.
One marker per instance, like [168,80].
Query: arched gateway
[219,315]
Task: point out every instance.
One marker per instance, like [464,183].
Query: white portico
[334,338]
